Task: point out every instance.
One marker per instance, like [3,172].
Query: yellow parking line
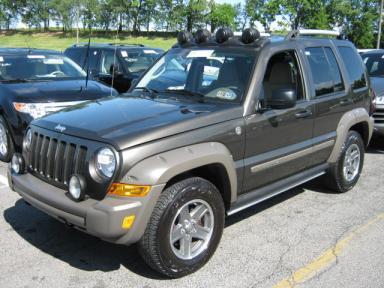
[326,259]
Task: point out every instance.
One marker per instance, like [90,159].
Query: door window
[283,72]
[107,61]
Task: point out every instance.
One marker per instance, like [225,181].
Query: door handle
[303,114]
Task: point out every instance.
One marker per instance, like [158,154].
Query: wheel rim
[352,162]
[3,140]
[192,229]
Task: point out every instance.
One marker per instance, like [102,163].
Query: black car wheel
[6,143]
[345,173]
[185,228]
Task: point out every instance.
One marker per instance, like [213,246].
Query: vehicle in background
[116,65]
[374,61]
[34,83]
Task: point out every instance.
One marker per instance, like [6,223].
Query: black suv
[34,83]
[124,62]
[163,165]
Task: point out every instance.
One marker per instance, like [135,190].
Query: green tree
[263,11]
[195,13]
[222,15]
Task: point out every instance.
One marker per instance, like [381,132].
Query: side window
[338,84]
[321,70]
[107,60]
[354,67]
[283,72]
[77,55]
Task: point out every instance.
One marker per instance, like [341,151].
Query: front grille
[55,160]
[379,116]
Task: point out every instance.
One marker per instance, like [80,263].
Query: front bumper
[102,219]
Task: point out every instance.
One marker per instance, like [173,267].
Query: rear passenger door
[331,96]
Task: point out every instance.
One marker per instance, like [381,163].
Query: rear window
[325,70]
[354,67]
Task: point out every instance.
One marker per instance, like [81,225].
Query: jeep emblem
[60,128]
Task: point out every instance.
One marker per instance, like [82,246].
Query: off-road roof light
[223,34]
[250,35]
[184,37]
[202,36]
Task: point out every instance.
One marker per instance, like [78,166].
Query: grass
[59,41]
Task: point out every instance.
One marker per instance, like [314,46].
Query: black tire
[155,246]
[6,157]
[335,178]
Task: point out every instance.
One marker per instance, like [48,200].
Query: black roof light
[184,37]
[223,34]
[250,35]
[202,36]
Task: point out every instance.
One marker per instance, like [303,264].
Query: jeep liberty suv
[218,124]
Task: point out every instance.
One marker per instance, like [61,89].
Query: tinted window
[109,62]
[321,71]
[338,84]
[76,55]
[354,67]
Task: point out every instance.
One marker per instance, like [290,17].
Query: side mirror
[283,98]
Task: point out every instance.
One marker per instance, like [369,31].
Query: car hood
[56,91]
[129,121]
[377,84]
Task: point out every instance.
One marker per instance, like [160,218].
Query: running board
[256,196]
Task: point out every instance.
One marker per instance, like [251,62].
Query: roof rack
[81,44]
[312,32]
[262,34]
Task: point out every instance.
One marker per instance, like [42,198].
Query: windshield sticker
[307,53]
[36,56]
[130,60]
[124,53]
[150,52]
[54,61]
[227,95]
[200,54]
[1,59]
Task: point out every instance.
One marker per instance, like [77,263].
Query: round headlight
[27,140]
[106,162]
[76,187]
[17,164]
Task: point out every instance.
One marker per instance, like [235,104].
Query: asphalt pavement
[306,237]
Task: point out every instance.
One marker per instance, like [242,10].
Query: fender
[160,168]
[349,119]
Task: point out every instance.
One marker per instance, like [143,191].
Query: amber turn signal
[128,190]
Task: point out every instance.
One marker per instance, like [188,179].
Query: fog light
[76,187]
[18,164]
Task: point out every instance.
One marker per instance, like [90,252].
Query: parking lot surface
[307,237]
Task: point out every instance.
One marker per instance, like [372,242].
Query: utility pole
[380,24]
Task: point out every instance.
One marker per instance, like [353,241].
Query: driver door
[278,140]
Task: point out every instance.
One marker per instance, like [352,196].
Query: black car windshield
[34,67]
[375,64]
[219,74]
[139,60]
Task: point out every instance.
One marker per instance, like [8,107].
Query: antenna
[114,62]
[86,61]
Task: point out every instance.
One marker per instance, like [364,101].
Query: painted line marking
[326,259]
[4,181]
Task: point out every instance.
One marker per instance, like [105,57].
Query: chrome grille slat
[55,160]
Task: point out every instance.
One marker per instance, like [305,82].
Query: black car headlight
[105,163]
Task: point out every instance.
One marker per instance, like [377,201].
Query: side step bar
[256,196]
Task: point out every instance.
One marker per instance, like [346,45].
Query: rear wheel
[185,228]
[344,174]
[6,143]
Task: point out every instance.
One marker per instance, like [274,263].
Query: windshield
[215,74]
[38,67]
[139,61]
[375,64]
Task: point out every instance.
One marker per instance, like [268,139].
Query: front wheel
[344,174]
[185,228]
[6,144]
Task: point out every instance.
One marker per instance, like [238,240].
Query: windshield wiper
[152,92]
[199,96]
[15,81]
